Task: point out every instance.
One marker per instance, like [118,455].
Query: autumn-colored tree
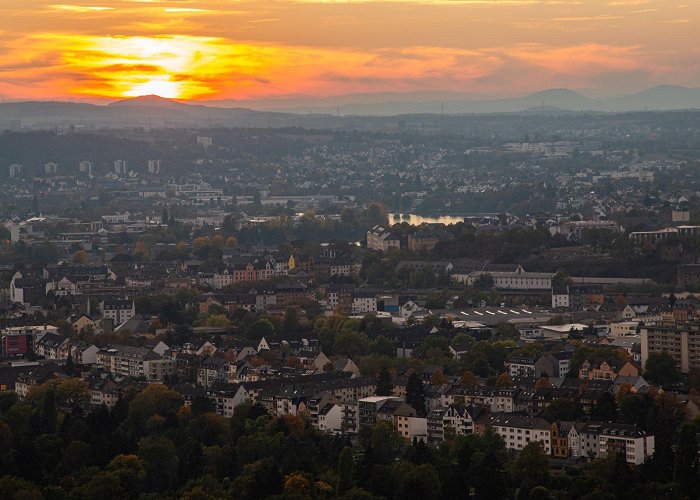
[504,380]
[468,378]
[140,250]
[67,391]
[200,242]
[296,484]
[231,243]
[438,377]
[543,383]
[80,257]
[181,248]
[624,390]
[620,300]
[217,241]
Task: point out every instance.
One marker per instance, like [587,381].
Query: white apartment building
[517,431]
[136,362]
[118,310]
[363,303]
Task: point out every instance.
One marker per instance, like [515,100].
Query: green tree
[155,401]
[418,482]
[103,485]
[660,368]
[384,383]
[351,343]
[605,408]
[462,342]
[376,214]
[345,470]
[381,346]
[291,321]
[415,393]
[685,467]
[261,328]
[161,459]
[531,467]
[562,409]
[259,479]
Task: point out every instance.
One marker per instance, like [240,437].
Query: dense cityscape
[486,306]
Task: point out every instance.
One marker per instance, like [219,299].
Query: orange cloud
[581,59]
[252,48]
[193,67]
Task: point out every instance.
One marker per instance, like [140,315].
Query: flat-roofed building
[680,339]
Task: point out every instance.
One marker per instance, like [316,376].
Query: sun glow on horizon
[248,49]
[161,87]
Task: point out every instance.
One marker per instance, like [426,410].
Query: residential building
[606,369]
[381,239]
[679,339]
[118,310]
[52,346]
[426,241]
[521,366]
[136,362]
[518,430]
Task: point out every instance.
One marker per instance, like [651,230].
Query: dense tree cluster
[151,444]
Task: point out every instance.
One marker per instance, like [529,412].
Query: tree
[488,476]
[161,458]
[468,378]
[660,368]
[345,470]
[384,443]
[418,482]
[156,400]
[259,479]
[291,321]
[462,342]
[351,344]
[296,485]
[15,487]
[231,243]
[605,408]
[376,214]
[217,241]
[200,242]
[531,467]
[140,250]
[261,328]
[484,282]
[504,380]
[543,383]
[562,409]
[507,330]
[80,257]
[384,383]
[131,472]
[438,377]
[382,346]
[103,485]
[685,467]
[415,394]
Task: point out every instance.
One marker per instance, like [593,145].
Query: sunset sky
[244,49]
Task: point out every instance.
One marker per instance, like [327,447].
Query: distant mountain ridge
[662,97]
[154,111]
